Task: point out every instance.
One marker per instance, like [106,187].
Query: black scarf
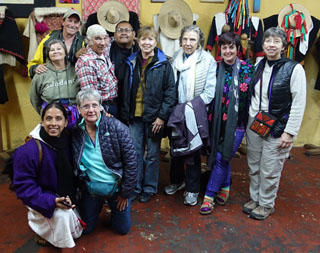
[224,144]
[66,180]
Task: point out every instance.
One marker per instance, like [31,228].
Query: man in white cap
[95,69]
[71,37]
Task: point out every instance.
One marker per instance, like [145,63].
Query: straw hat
[287,10]
[173,16]
[111,13]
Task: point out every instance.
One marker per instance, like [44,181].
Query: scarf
[225,122]
[187,69]
[66,180]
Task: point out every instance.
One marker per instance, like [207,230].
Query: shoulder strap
[40,151]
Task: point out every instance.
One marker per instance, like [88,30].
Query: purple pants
[220,174]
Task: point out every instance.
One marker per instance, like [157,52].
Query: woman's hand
[64,203]
[286,140]
[41,68]
[157,125]
[122,203]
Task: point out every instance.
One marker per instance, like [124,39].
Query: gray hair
[276,32]
[95,30]
[55,41]
[195,29]
[88,94]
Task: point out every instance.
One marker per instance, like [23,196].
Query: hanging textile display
[296,21]
[236,18]
[301,27]
[10,45]
[92,6]
[23,8]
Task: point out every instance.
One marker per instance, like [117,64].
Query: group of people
[105,108]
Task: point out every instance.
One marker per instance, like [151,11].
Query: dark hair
[197,30]
[55,41]
[229,38]
[123,22]
[54,105]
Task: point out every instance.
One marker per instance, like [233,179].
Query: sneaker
[173,188]
[145,197]
[191,198]
[134,196]
[261,212]
[249,206]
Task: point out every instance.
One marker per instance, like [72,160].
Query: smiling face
[124,35]
[273,47]
[54,122]
[71,25]
[56,52]
[90,111]
[147,45]
[190,42]
[99,43]
[229,53]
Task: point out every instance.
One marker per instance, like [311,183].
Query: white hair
[95,30]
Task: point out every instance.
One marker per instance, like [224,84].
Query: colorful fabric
[97,73]
[229,108]
[91,6]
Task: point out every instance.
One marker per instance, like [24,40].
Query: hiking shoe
[191,198]
[261,212]
[173,188]
[249,206]
[145,197]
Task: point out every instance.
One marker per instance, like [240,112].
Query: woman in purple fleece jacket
[46,185]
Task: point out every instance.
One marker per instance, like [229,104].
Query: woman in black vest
[278,88]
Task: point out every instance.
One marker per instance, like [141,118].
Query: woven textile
[53,22]
[91,6]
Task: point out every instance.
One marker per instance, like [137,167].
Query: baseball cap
[72,12]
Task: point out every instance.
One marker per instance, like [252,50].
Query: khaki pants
[265,162]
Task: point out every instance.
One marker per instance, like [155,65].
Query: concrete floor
[166,225]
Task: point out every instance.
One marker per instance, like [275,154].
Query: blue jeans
[221,172]
[147,181]
[90,208]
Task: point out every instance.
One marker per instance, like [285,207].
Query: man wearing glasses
[121,48]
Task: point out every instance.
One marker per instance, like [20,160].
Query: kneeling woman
[43,180]
[230,116]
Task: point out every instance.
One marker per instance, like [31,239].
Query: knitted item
[207,205]
[223,195]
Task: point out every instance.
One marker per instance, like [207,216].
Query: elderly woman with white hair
[195,74]
[95,69]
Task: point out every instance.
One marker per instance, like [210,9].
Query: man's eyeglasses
[124,30]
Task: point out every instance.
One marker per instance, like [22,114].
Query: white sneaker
[173,188]
[191,198]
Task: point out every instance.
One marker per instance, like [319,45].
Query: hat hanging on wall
[173,16]
[296,21]
[111,13]
[294,18]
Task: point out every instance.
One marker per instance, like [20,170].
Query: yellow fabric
[140,98]
[38,56]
